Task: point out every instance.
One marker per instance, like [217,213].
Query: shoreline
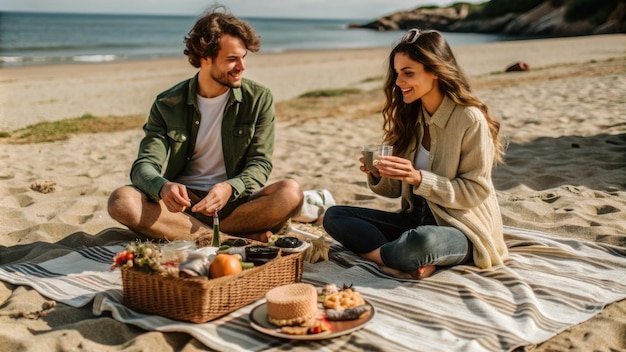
[128,88]
[593,42]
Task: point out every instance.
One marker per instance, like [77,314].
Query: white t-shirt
[421,159]
[206,167]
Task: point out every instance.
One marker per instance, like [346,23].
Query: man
[215,135]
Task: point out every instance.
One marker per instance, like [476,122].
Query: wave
[65,47]
[96,58]
[21,60]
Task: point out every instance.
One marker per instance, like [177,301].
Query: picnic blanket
[549,284]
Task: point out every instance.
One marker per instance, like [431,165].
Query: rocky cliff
[546,19]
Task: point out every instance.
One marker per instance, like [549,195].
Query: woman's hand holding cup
[382,151]
[371,155]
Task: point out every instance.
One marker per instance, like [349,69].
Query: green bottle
[215,242]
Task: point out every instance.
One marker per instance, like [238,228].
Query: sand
[564,172]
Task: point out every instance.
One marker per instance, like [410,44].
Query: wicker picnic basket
[202,300]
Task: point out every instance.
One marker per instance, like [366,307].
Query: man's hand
[175,197]
[215,200]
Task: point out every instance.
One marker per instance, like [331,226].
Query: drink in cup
[374,152]
[382,150]
[368,154]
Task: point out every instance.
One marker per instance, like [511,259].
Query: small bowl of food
[260,255]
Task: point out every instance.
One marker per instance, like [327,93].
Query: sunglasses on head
[411,36]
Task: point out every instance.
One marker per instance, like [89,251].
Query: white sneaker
[315,204]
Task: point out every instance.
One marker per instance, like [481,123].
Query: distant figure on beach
[445,144]
[208,147]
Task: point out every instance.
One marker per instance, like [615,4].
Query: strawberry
[319,326]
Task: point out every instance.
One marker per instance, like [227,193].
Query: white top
[421,159]
[206,167]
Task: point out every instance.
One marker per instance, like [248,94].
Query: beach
[564,121]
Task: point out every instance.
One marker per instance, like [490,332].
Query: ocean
[47,38]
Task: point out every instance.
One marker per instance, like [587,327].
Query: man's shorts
[197,195]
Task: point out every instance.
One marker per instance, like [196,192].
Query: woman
[445,145]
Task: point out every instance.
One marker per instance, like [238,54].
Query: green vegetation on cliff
[497,8]
[595,11]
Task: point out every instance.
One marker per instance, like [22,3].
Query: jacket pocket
[177,138]
[242,135]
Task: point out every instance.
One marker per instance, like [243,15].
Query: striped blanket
[549,284]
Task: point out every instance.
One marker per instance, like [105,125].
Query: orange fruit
[224,265]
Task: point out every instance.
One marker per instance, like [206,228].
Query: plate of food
[301,312]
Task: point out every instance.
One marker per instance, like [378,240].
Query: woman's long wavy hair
[432,50]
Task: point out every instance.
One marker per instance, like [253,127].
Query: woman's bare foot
[421,272]
[395,273]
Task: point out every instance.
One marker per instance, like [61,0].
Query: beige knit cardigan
[458,187]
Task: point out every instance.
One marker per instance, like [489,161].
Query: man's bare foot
[420,273]
[263,236]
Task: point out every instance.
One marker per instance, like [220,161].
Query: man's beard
[223,80]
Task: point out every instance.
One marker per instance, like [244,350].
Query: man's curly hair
[203,40]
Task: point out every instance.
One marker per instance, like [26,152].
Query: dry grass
[63,129]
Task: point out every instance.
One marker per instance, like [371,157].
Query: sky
[362,9]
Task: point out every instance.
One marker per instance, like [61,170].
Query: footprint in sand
[607,209]
[75,219]
[6,175]
[79,213]
[15,197]
[24,200]
[549,197]
[360,183]
[364,197]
